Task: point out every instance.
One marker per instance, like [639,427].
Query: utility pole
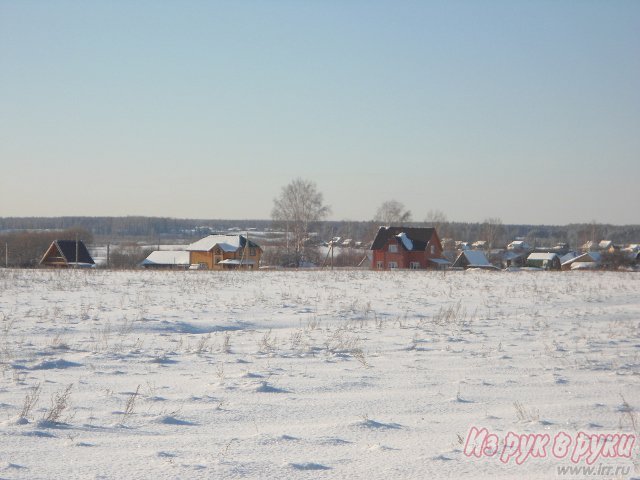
[331,253]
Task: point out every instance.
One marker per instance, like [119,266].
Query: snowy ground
[350,374]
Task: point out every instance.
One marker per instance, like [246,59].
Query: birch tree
[392,212]
[299,205]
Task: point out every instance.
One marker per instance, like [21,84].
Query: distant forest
[164,230]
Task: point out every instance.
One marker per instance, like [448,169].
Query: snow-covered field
[320,374]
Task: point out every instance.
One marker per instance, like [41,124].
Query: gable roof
[474,258]
[68,250]
[411,238]
[227,243]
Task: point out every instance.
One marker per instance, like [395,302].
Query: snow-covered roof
[583,265]
[230,261]
[589,257]
[406,241]
[568,257]
[542,256]
[476,258]
[167,257]
[604,244]
[518,245]
[226,243]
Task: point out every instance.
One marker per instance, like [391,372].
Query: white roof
[230,261]
[589,257]
[227,243]
[542,256]
[476,258]
[167,257]
[568,257]
[583,265]
[406,241]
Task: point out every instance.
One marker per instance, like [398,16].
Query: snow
[315,374]
[568,257]
[406,241]
[542,256]
[167,257]
[476,258]
[226,243]
[230,261]
[589,257]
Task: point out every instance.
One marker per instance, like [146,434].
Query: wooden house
[225,252]
[67,254]
[405,247]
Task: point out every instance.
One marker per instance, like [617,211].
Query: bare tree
[492,230]
[299,205]
[438,220]
[392,212]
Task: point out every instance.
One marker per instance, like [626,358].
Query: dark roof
[68,250]
[420,236]
[243,243]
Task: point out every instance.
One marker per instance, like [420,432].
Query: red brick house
[405,247]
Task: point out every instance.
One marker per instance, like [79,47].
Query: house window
[380,264]
[393,265]
[393,248]
[433,249]
[414,265]
[252,252]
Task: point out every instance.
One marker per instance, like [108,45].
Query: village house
[589,260]
[519,245]
[473,259]
[224,252]
[67,254]
[407,247]
[544,260]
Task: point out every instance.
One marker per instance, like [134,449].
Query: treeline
[116,229]
[125,227]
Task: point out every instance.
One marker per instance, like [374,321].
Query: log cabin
[67,254]
[225,252]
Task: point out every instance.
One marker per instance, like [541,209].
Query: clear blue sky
[526,111]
